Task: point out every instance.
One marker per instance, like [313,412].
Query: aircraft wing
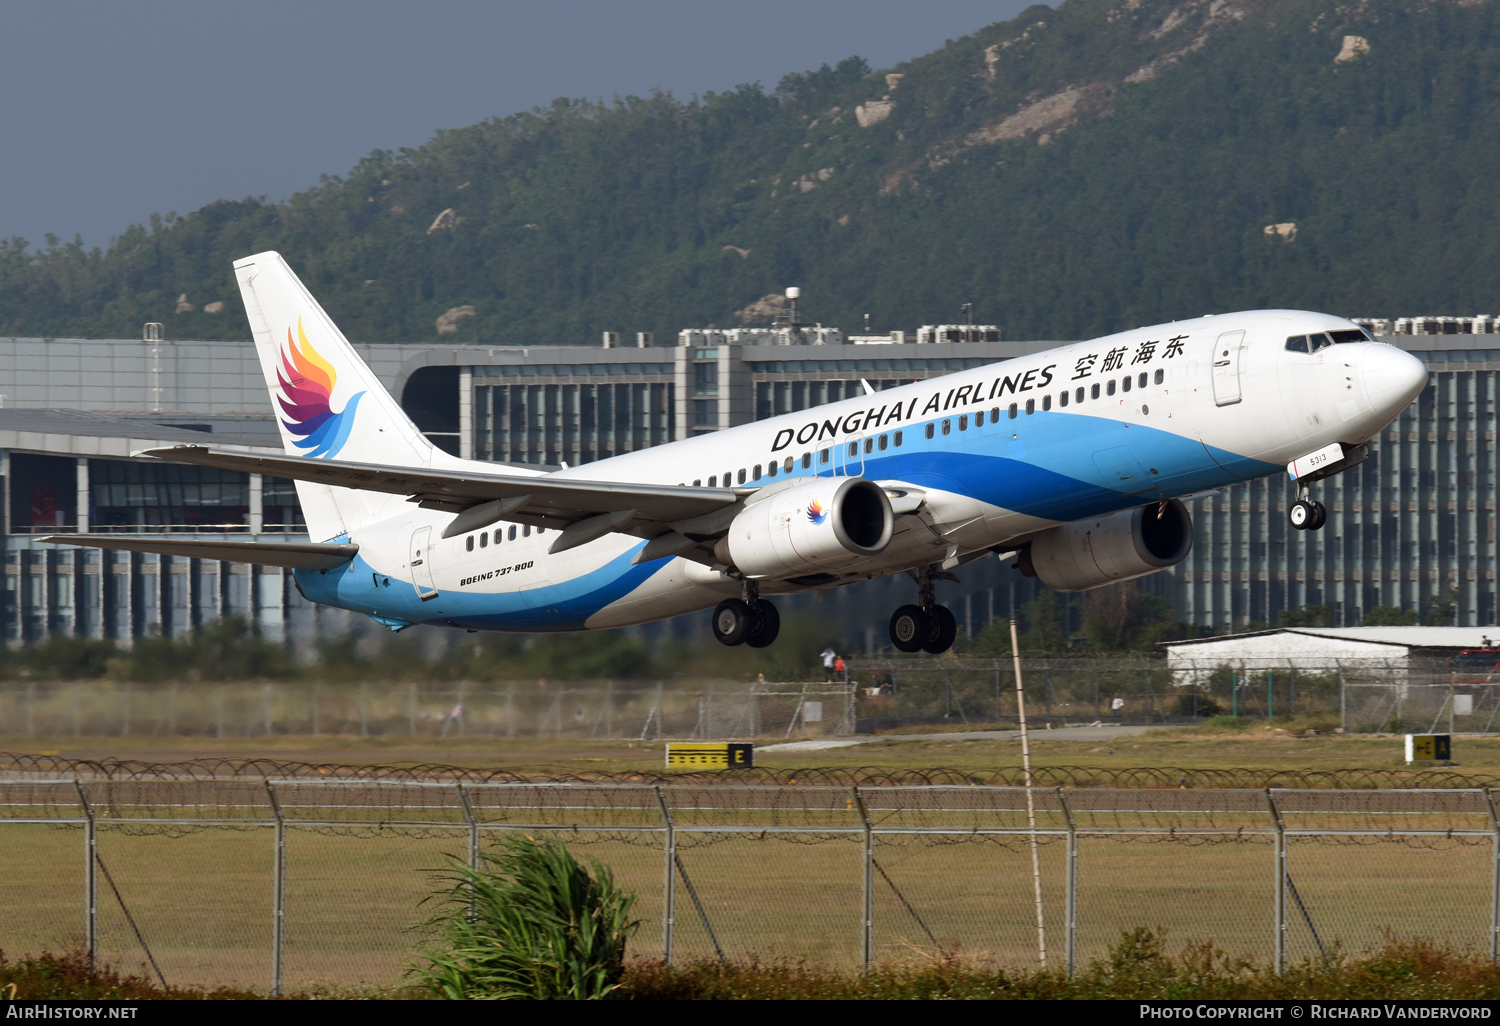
[544,500]
[312,556]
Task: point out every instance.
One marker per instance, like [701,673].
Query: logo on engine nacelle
[816,514]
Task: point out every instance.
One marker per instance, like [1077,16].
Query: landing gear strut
[1305,514]
[749,621]
[927,627]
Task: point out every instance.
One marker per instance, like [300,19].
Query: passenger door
[1226,367]
[850,458]
[421,564]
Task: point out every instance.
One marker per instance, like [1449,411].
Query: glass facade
[1415,520]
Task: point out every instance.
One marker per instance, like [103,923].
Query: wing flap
[547,496]
[294,555]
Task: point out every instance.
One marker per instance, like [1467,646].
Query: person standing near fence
[829,655]
[841,670]
[1117,706]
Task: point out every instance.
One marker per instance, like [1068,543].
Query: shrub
[530,923]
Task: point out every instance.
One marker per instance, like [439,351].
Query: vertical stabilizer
[326,400]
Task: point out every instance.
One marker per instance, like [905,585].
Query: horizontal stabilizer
[296,555]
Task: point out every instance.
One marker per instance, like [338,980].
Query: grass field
[201,897]
[1257,746]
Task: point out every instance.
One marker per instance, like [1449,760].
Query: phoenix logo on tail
[816,514]
[307,382]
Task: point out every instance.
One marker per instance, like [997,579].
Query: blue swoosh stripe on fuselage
[991,466]
[1003,471]
[553,607]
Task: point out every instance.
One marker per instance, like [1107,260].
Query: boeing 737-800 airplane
[1071,462]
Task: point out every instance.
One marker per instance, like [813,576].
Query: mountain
[1071,172]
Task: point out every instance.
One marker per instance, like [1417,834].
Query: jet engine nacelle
[1118,547]
[826,524]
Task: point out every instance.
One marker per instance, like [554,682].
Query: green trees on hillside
[1176,134]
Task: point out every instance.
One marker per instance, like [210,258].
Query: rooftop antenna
[867,324]
[968,312]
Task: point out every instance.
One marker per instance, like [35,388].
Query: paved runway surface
[1104,732]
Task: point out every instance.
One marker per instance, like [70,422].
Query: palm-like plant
[529,922]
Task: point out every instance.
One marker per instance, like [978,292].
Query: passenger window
[484,540]
[897,439]
[755,472]
[1125,384]
[742,475]
[929,430]
[995,415]
[512,532]
[1046,402]
[947,427]
[806,460]
[1110,388]
[713,482]
[1297,344]
[1062,399]
[540,531]
[1161,375]
[770,471]
[1094,392]
[883,440]
[790,463]
[469,544]
[869,445]
[499,535]
[1012,411]
[1030,407]
[526,531]
[696,483]
[853,448]
[1079,397]
[823,456]
[963,422]
[1142,382]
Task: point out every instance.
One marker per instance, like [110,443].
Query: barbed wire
[53,767]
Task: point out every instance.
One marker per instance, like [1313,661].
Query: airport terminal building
[1415,519]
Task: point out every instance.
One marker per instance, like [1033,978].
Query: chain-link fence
[642,710]
[1369,695]
[292,885]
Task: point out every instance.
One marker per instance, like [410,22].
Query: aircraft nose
[1392,377]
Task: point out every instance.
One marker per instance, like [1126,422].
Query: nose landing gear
[927,627]
[1306,514]
[749,621]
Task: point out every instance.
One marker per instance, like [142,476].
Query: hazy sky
[117,110]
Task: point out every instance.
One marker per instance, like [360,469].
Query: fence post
[90,876]
[278,915]
[1343,701]
[1280,882]
[867,925]
[1489,799]
[468,807]
[669,884]
[1070,898]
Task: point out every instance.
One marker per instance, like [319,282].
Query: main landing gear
[1306,514]
[749,621]
[927,627]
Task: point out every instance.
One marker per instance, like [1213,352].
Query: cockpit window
[1297,344]
[1318,341]
[1351,336]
